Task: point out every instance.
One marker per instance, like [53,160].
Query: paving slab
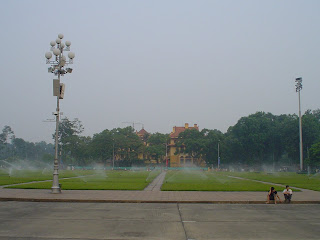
[156,221]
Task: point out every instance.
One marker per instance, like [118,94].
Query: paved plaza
[153,214]
[151,221]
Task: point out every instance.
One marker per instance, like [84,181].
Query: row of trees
[260,138]
[257,139]
[12,148]
[121,144]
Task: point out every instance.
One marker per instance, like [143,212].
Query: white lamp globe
[48,55]
[56,51]
[68,43]
[60,36]
[58,40]
[52,43]
[71,55]
[62,45]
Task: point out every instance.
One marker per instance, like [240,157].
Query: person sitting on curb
[287,192]
[272,196]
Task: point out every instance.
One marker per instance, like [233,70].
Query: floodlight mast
[298,89]
[57,68]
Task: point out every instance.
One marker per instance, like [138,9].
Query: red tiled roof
[142,132]
[179,130]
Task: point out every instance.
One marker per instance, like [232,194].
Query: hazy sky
[162,63]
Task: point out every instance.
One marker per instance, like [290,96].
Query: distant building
[143,135]
[181,159]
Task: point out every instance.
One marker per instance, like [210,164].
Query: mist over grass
[101,180]
[14,176]
[305,181]
[208,181]
[175,180]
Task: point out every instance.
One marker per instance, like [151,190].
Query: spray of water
[9,167]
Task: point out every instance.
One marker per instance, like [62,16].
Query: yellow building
[181,159]
[142,134]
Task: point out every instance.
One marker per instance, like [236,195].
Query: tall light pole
[113,156]
[219,154]
[298,89]
[58,69]
[166,155]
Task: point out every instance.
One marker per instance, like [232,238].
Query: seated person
[272,196]
[287,194]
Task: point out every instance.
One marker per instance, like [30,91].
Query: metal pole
[300,133]
[113,156]
[218,154]
[57,66]
[167,155]
[55,183]
[273,163]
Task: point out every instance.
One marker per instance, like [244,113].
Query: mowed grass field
[175,180]
[100,180]
[305,181]
[15,176]
[208,181]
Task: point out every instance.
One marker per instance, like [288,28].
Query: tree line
[258,139]
[13,148]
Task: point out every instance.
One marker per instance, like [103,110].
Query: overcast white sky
[162,63]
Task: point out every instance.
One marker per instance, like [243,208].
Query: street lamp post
[58,69]
[298,89]
[166,155]
[113,156]
[218,154]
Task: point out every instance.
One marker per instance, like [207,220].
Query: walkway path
[44,195]
[156,184]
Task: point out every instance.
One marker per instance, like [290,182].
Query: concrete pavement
[150,221]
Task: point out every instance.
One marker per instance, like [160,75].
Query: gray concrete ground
[87,221]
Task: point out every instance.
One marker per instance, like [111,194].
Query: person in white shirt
[287,194]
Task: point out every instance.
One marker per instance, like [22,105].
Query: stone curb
[144,201]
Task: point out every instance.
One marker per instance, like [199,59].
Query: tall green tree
[156,145]
[191,142]
[255,135]
[314,156]
[123,142]
[68,136]
[210,152]
[6,137]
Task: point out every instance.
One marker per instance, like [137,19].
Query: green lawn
[8,177]
[101,180]
[174,181]
[292,179]
[208,181]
